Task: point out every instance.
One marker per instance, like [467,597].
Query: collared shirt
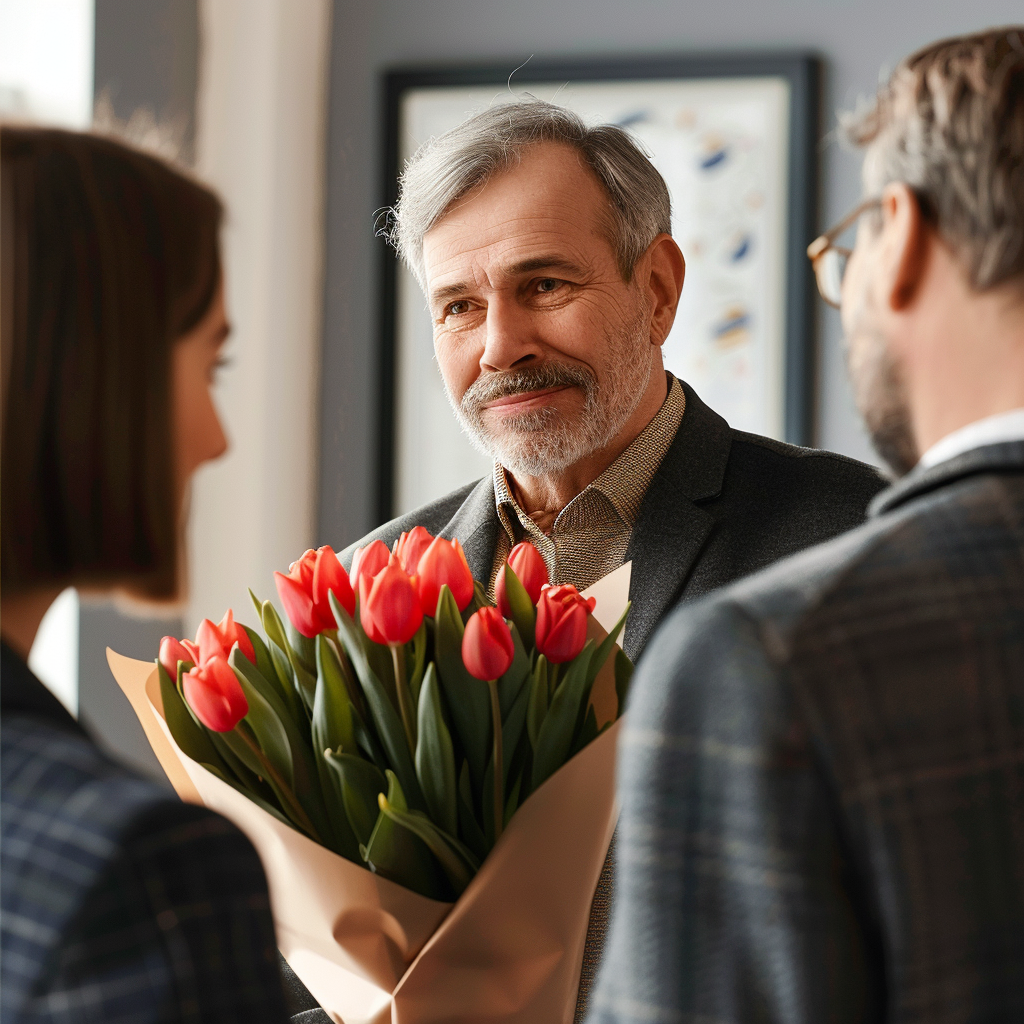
[590,535]
[1004,426]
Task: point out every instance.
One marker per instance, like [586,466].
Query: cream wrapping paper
[372,952]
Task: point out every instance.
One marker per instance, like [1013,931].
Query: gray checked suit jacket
[822,778]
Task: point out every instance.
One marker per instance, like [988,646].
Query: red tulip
[305,591]
[444,562]
[562,622]
[410,547]
[172,651]
[487,647]
[369,560]
[529,565]
[213,640]
[389,607]
[215,695]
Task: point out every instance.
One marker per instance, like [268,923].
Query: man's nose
[511,340]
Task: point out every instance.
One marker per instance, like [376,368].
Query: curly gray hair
[450,166]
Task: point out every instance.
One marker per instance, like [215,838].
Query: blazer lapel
[476,526]
[671,529]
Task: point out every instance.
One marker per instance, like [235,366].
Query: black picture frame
[802,70]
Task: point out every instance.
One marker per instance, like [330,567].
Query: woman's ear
[668,270]
[905,244]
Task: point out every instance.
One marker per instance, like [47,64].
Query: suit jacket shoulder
[823,758]
[120,903]
[434,516]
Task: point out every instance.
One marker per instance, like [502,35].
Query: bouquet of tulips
[396,716]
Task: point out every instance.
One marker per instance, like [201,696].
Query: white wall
[260,141]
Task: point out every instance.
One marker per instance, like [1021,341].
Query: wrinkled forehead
[549,202]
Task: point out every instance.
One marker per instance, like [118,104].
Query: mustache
[500,384]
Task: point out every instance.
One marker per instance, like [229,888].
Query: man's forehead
[548,205]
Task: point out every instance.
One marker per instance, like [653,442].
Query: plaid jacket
[120,904]
[822,778]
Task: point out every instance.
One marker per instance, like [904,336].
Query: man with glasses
[822,774]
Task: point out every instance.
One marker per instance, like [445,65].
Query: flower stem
[284,790]
[404,699]
[499,763]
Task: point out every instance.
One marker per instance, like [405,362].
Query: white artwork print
[721,146]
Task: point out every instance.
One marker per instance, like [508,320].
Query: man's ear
[668,269]
[905,245]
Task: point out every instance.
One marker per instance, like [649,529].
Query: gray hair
[949,123]
[450,166]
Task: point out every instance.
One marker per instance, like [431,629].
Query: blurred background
[280,105]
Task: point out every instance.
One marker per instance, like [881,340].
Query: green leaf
[524,614]
[265,664]
[623,677]
[469,829]
[538,707]
[435,757]
[188,733]
[263,804]
[382,711]
[587,734]
[396,853]
[360,783]
[457,862]
[468,699]
[554,741]
[512,804]
[512,728]
[265,720]
[333,726]
[248,780]
[510,684]
[419,663]
[303,647]
[287,749]
[302,678]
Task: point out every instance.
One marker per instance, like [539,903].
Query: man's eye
[547,284]
[457,308]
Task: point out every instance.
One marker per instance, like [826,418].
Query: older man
[544,250]
[823,769]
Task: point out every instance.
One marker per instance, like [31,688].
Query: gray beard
[543,441]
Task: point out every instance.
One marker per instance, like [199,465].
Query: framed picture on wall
[735,139]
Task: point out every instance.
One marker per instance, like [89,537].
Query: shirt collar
[625,481]
[1004,426]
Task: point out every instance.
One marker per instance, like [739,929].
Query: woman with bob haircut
[120,903]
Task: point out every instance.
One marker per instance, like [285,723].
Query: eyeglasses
[829,260]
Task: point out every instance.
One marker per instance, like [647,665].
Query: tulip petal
[329,577]
[298,605]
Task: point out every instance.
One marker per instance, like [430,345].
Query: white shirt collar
[1004,426]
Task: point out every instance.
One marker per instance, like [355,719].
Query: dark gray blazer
[722,504]
[822,778]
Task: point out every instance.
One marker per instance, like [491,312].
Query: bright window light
[46,61]
[54,656]
[46,73]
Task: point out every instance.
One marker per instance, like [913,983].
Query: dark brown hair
[950,124]
[107,257]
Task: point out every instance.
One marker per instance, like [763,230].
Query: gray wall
[146,57]
[856,40]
